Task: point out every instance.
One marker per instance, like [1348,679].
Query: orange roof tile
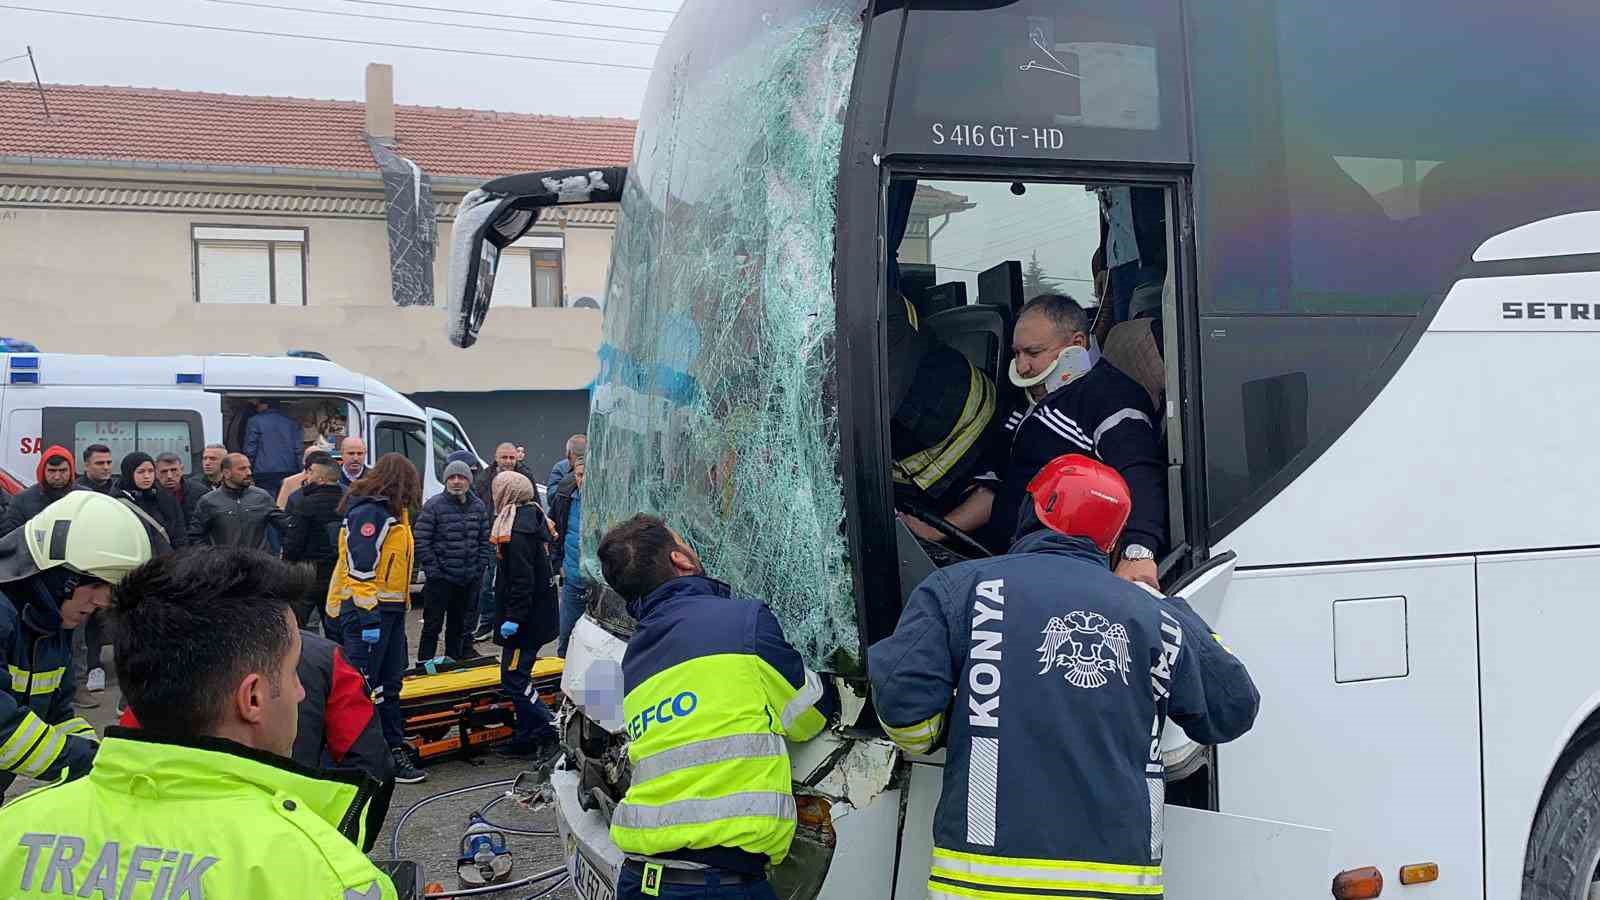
[123,123]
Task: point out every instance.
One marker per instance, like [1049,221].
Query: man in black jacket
[313,537]
[99,472]
[186,488]
[453,549]
[238,513]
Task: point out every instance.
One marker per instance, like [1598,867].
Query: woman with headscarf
[527,619]
[138,486]
[370,591]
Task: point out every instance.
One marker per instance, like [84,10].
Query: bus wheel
[1564,846]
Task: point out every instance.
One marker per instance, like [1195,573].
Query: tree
[1035,281]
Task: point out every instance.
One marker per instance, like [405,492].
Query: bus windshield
[714,406]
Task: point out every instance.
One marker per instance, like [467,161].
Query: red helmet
[1082,497]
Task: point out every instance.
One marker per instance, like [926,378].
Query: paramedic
[1079,715]
[711,688]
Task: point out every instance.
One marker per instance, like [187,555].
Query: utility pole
[38,84]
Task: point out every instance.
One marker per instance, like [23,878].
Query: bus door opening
[965,258]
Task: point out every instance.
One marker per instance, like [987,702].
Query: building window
[529,273]
[237,264]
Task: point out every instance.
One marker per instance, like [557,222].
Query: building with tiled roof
[145,221]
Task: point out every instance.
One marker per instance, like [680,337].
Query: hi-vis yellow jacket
[201,818]
[375,559]
[712,689]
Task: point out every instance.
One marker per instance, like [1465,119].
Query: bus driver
[1078,403]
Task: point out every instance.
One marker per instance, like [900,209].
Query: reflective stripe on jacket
[40,734]
[375,558]
[199,818]
[1063,676]
[712,689]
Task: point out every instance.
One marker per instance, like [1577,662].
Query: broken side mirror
[495,216]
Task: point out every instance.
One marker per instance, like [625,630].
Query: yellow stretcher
[460,710]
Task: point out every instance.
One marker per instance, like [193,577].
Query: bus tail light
[1419,873]
[1358,884]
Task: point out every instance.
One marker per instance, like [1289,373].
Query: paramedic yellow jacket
[202,818]
[712,689]
[375,559]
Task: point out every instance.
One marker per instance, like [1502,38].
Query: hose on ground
[394,837]
[483,813]
[510,885]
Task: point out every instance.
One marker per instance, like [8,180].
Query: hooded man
[53,479]
[55,571]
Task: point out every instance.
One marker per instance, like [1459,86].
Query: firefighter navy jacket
[1062,676]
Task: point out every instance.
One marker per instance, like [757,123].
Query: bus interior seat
[1132,348]
[979,331]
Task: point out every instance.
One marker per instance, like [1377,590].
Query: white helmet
[89,533]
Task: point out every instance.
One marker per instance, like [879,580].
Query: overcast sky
[75,50]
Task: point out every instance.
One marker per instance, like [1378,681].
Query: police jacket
[1103,414]
[712,688]
[373,569]
[227,517]
[314,523]
[524,584]
[196,818]
[40,735]
[452,537]
[1062,676]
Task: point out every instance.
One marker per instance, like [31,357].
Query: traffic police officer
[55,571]
[1062,676]
[712,688]
[203,801]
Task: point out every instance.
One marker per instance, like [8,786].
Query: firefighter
[710,690]
[56,570]
[1062,676]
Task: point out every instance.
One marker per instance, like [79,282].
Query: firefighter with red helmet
[1049,679]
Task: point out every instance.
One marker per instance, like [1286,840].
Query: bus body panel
[1388,759]
[1468,448]
[1538,620]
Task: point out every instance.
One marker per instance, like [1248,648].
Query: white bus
[180,404]
[1353,252]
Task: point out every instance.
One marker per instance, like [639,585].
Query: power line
[331,40]
[501,15]
[14,58]
[354,15]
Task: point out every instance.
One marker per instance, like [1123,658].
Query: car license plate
[591,884]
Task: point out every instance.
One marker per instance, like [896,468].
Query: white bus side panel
[1539,620]
[1478,443]
[1390,764]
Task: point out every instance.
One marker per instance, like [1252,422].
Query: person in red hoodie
[53,479]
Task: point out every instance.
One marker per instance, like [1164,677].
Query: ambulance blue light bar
[307,380]
[24,377]
[191,378]
[24,362]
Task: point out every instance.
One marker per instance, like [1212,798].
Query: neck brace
[1070,365]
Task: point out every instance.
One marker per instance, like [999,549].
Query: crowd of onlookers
[299,510]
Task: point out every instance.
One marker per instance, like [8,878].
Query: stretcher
[458,709]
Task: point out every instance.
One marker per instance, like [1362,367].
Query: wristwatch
[1138,551]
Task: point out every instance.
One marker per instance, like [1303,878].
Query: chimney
[380,102]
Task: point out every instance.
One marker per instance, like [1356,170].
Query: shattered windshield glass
[715,403]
